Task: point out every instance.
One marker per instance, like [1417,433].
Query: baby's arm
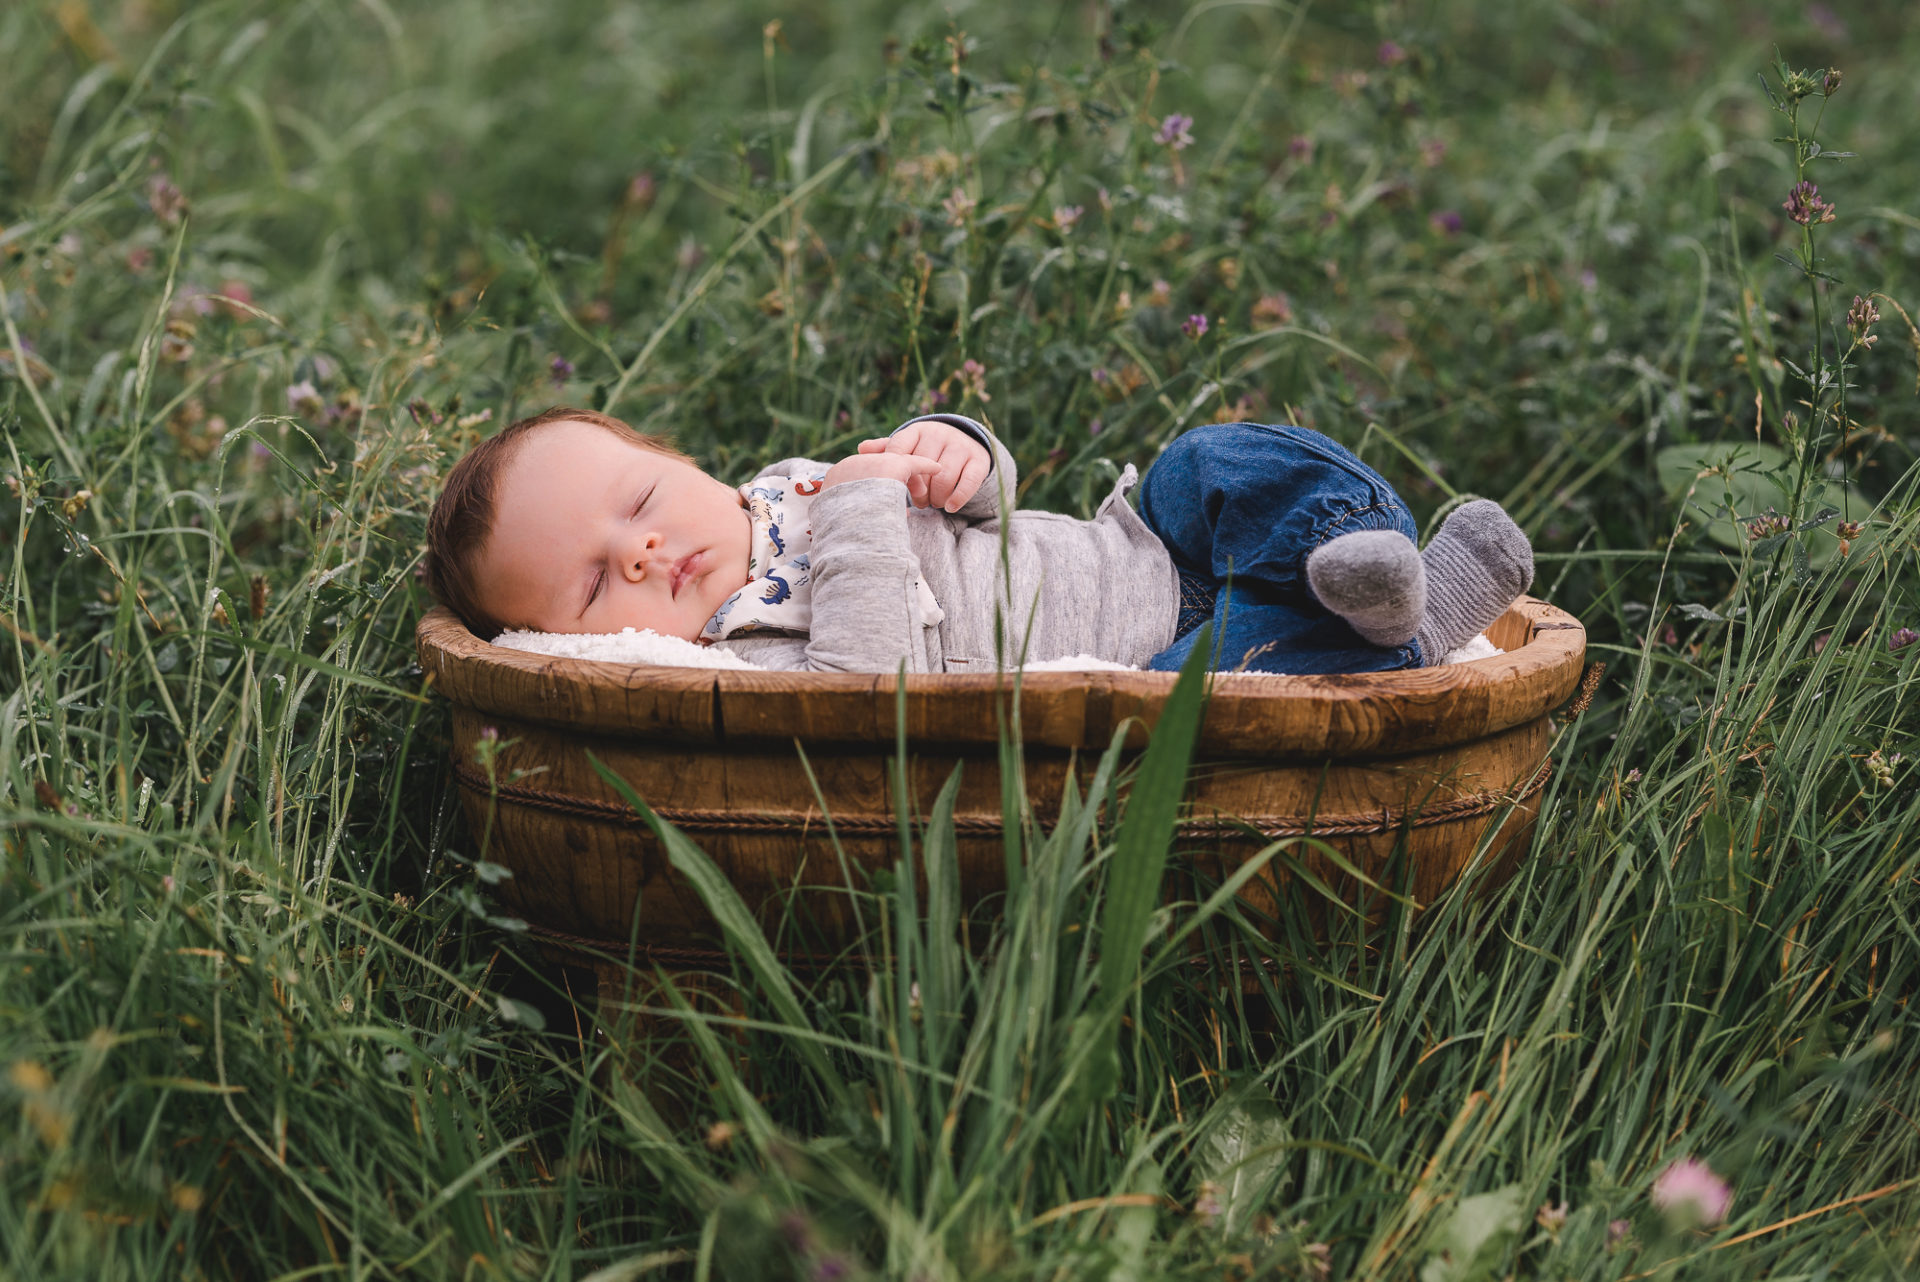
[867,613]
[974,467]
[981,503]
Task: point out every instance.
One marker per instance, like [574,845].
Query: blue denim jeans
[1239,506]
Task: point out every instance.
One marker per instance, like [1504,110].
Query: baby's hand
[961,461]
[905,468]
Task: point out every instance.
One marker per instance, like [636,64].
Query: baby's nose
[636,558]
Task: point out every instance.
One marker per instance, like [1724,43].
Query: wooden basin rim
[1267,718]
[687,819]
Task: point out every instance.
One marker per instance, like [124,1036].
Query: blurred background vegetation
[269,266]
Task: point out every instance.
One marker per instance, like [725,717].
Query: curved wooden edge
[1248,715]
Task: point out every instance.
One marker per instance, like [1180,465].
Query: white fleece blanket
[650,647]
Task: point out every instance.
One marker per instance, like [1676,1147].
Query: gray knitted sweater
[1062,586]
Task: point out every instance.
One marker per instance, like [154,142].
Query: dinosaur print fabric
[778,596]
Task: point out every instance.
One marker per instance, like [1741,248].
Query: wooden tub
[1425,757]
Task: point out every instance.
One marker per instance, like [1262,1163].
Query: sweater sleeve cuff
[868,515]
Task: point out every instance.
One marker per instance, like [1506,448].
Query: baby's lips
[683,570]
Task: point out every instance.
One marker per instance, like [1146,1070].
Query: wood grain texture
[1409,765]
[1268,716]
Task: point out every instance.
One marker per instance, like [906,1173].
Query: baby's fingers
[968,484]
[925,476]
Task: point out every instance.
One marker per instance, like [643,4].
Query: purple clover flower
[1194,326]
[560,370]
[1688,1189]
[1446,221]
[1804,206]
[1390,54]
[1175,132]
[165,200]
[1902,639]
[303,398]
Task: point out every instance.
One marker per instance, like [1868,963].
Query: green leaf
[1134,874]
[1242,1154]
[737,924]
[1476,1237]
[520,1013]
[1146,831]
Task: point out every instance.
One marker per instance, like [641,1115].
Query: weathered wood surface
[1265,716]
[1422,761]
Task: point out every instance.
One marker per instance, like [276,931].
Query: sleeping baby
[910,551]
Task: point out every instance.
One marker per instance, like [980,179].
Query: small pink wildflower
[1176,131]
[1272,311]
[973,380]
[1446,221]
[303,398]
[1804,206]
[1207,1207]
[1619,1234]
[165,199]
[1065,216]
[1902,639]
[1861,317]
[1194,326]
[1390,54]
[1161,293]
[959,206]
[1300,148]
[1432,152]
[560,369]
[1767,526]
[1689,1190]
[232,292]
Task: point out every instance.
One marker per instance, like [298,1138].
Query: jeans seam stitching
[1321,534]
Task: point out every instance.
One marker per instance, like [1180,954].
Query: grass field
[267,266]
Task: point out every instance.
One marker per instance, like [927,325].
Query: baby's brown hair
[462,517]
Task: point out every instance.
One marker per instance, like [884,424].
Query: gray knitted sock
[1476,565]
[1374,580]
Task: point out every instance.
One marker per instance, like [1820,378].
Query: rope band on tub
[1385,820]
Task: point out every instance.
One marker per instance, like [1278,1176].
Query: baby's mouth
[684,569]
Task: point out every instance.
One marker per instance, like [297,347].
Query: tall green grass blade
[737,927]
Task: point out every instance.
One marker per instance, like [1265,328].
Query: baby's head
[571,521]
